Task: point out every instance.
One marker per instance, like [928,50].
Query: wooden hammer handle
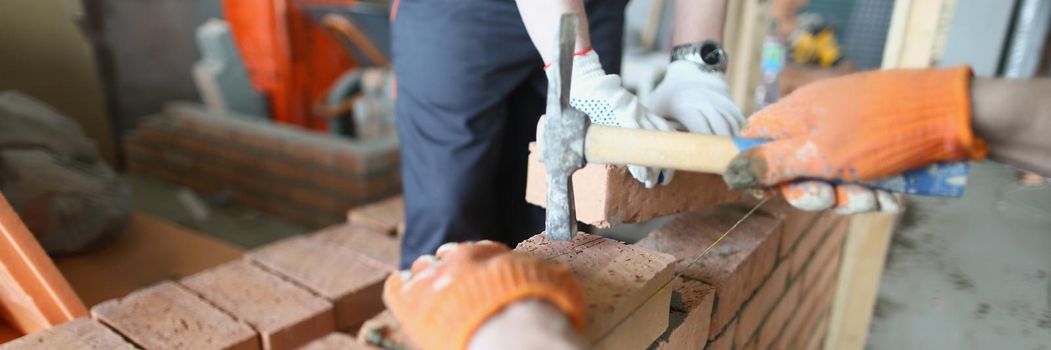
[672,150]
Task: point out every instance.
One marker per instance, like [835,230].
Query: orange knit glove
[861,127]
[443,300]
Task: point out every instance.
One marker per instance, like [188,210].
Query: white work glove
[697,99]
[605,100]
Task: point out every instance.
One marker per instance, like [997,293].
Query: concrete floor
[239,226]
[971,273]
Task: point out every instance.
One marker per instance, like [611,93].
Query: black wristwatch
[708,55]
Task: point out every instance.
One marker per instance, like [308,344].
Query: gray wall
[44,55]
[145,50]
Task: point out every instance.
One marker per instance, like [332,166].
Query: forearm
[1014,117]
[698,20]
[528,324]
[541,21]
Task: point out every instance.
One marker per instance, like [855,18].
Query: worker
[861,126]
[471,88]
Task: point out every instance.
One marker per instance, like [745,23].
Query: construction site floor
[973,273]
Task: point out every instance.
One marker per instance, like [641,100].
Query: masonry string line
[696,258]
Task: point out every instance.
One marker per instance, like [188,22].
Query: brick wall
[282,170]
[774,276]
[768,285]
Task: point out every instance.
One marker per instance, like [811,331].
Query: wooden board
[149,250]
[864,253]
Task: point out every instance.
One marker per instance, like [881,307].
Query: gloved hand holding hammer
[694,91]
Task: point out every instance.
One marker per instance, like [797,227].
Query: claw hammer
[568,141]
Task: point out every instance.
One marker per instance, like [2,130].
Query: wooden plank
[150,250]
[864,253]
[743,70]
[913,33]
[33,293]
[912,41]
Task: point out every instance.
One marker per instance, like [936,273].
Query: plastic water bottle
[771,65]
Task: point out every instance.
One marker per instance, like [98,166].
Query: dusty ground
[970,273]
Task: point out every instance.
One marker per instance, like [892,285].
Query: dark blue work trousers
[471,88]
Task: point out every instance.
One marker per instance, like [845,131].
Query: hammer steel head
[562,136]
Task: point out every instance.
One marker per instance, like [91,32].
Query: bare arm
[541,21]
[1014,117]
[698,20]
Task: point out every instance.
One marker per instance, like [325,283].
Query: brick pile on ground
[300,292]
[297,174]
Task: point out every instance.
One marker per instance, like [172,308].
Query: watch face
[711,54]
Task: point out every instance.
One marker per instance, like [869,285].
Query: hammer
[568,141]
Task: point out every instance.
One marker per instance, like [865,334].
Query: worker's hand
[443,300]
[697,99]
[858,127]
[605,100]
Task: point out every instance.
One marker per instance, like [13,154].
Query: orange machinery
[291,54]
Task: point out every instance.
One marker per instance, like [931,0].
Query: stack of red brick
[768,285]
[279,169]
[301,291]
[773,277]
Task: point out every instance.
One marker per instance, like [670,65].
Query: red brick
[349,162]
[757,308]
[376,245]
[209,128]
[751,345]
[263,138]
[156,136]
[353,283]
[724,341]
[167,316]
[809,241]
[194,145]
[777,318]
[315,199]
[337,341]
[823,258]
[796,222]
[608,195]
[814,320]
[809,304]
[736,266]
[817,339]
[81,333]
[385,216]
[616,278]
[825,278]
[315,153]
[285,315]
[140,150]
[692,302]
[238,156]
[286,169]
